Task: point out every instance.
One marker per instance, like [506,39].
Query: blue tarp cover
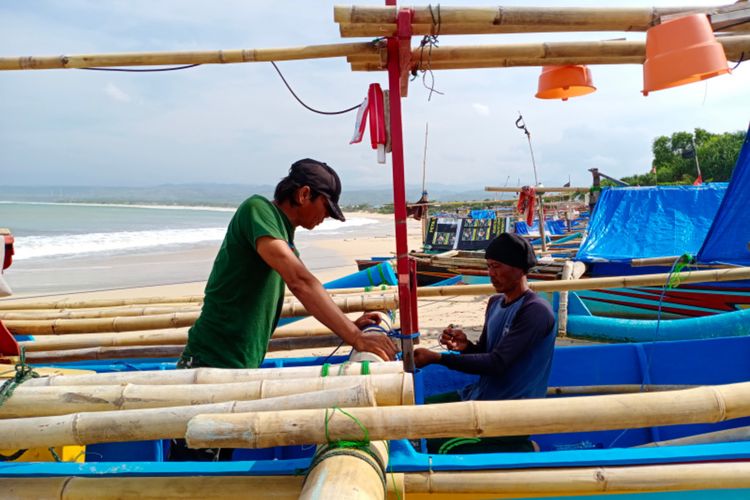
[653,221]
[728,239]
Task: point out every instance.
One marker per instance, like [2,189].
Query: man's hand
[376,343]
[367,319]
[424,357]
[454,339]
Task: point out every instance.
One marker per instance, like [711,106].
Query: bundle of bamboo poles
[32,401]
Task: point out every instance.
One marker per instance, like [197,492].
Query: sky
[238,124]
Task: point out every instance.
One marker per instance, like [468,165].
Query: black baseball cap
[322,179]
[512,250]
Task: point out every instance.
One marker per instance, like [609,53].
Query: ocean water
[61,230]
[72,247]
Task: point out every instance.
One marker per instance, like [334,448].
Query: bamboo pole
[550,482]
[579,481]
[16,305]
[188,57]
[94,313]
[727,435]
[163,351]
[359,474]
[157,423]
[178,320]
[511,19]
[474,418]
[562,309]
[390,389]
[579,390]
[742,273]
[211,375]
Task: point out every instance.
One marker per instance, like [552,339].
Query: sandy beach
[174,274]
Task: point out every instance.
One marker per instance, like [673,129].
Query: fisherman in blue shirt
[513,356]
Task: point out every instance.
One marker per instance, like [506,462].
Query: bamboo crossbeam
[707,276]
[561,482]
[376,301]
[211,375]
[505,63]
[157,423]
[188,57]
[538,54]
[474,418]
[38,355]
[19,305]
[509,19]
[30,401]
[508,189]
[512,483]
[179,320]
[579,390]
[95,313]
[725,436]
[148,337]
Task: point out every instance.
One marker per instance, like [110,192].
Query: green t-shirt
[243,295]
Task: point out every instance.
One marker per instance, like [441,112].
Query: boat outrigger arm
[395,55]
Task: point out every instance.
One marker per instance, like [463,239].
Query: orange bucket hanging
[562,82]
[680,51]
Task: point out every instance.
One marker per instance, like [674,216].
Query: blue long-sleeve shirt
[514,354]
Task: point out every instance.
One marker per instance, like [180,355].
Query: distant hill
[216,194]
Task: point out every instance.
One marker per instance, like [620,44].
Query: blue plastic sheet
[653,221]
[728,239]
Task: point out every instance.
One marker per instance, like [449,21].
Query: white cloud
[481,109]
[116,93]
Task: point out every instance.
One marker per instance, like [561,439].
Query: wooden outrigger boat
[586,440]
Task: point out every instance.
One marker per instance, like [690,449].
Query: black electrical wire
[305,105]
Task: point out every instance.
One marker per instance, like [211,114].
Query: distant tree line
[675,158]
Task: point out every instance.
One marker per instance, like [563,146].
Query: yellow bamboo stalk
[211,375]
[178,320]
[146,338]
[30,401]
[474,418]
[740,273]
[508,17]
[187,57]
[17,305]
[505,63]
[727,435]
[156,423]
[579,481]
[165,351]
[95,313]
[516,483]
[579,390]
[358,474]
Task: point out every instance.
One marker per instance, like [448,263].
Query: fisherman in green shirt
[245,291]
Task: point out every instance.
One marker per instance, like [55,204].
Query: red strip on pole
[405,287]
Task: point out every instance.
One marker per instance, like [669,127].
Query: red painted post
[406,288]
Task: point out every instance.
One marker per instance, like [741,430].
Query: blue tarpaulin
[653,221]
[728,239]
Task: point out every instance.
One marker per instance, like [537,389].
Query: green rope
[346,443]
[23,373]
[452,443]
[675,276]
[365,367]
[324,369]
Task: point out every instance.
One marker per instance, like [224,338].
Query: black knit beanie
[512,250]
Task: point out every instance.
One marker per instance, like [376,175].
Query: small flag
[698,181]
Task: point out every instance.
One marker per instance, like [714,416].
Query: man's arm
[306,287]
[530,325]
